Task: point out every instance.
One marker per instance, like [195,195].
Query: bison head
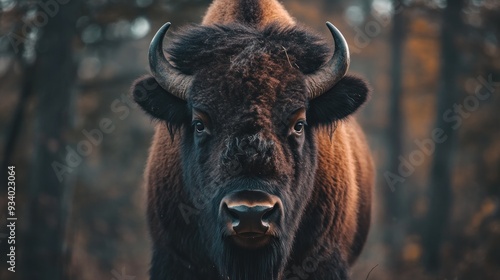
[246,105]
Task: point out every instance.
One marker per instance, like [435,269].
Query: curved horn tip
[157,41]
[161,33]
[334,70]
[167,76]
[339,39]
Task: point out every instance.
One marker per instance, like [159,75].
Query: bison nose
[251,213]
[249,220]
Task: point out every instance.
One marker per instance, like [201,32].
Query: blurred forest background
[433,123]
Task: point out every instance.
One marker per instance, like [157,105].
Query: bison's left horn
[334,70]
[169,78]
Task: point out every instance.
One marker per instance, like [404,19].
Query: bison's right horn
[169,78]
[334,70]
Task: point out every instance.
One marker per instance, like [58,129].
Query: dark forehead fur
[254,74]
[201,47]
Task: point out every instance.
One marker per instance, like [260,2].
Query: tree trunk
[55,74]
[440,189]
[394,215]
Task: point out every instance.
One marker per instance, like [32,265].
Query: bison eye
[199,126]
[299,126]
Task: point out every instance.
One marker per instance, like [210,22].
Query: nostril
[270,213]
[231,212]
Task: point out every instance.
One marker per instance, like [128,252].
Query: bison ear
[158,103]
[339,102]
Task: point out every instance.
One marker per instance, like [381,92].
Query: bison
[257,169]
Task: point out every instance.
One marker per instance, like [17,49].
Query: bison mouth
[251,240]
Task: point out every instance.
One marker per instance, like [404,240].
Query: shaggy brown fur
[259,13]
[248,85]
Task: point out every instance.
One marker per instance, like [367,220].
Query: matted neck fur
[258,13]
